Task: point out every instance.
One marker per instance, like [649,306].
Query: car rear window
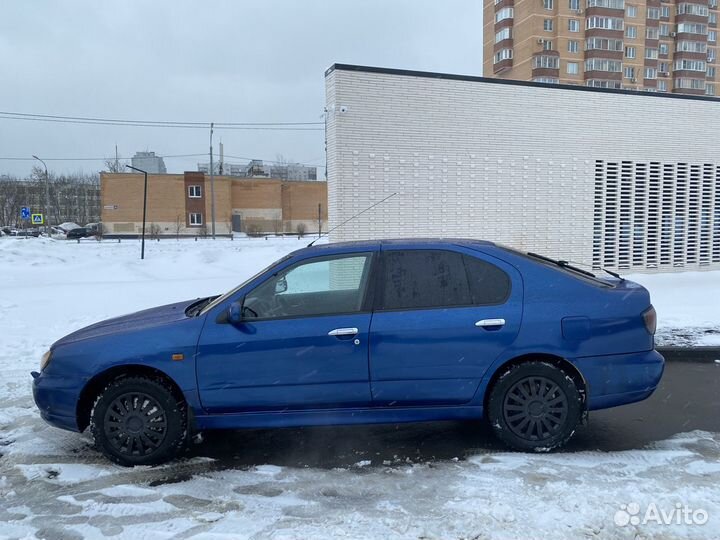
[415,279]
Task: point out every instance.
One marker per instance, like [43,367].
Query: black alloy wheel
[139,421]
[535,406]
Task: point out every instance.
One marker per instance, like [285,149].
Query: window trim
[379,291]
[190,220]
[192,188]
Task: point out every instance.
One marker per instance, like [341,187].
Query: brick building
[179,204]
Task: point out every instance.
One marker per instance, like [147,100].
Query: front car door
[302,343]
[441,318]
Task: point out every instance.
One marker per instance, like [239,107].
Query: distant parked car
[362,333]
[79,232]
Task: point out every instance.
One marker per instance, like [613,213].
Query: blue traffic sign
[25,212]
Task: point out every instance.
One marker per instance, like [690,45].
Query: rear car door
[441,318]
[302,343]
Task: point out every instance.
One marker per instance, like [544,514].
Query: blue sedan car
[364,332]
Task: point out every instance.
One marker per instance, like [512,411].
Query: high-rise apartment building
[651,45]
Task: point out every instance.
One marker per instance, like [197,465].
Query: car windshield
[220,299]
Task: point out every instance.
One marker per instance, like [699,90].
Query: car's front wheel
[534,406]
[139,421]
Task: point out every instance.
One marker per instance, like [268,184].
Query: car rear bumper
[56,398]
[619,379]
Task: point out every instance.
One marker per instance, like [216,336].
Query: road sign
[25,212]
[37,219]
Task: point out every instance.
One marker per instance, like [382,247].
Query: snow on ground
[54,485]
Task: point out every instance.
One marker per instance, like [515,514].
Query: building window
[547,62]
[712,36]
[651,53]
[691,46]
[195,192]
[631,11]
[548,4]
[653,13]
[196,219]
[692,28]
[602,83]
[629,72]
[546,80]
[603,44]
[650,73]
[711,72]
[662,86]
[505,33]
[692,9]
[713,18]
[690,65]
[573,46]
[611,4]
[631,32]
[664,68]
[572,68]
[607,23]
[665,12]
[711,55]
[664,49]
[690,84]
[503,54]
[547,45]
[504,13]
[664,29]
[713,3]
[548,25]
[574,25]
[603,64]
[652,32]
[710,89]
[630,52]
[575,5]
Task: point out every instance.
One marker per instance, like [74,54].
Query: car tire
[534,407]
[139,421]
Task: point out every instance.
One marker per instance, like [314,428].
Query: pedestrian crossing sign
[37,219]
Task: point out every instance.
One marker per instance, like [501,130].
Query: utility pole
[212,184]
[142,244]
[47,194]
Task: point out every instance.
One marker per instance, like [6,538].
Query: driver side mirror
[281,285]
[234,312]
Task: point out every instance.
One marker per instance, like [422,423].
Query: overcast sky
[221,61]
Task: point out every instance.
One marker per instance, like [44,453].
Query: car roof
[395,242]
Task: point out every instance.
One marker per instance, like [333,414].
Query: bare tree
[177,226]
[300,229]
[114,166]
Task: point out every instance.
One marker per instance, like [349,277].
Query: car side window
[488,283]
[414,279]
[319,286]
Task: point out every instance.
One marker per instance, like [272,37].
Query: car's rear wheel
[534,406]
[139,421]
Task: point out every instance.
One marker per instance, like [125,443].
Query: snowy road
[279,484]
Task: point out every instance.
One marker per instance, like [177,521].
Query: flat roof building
[619,179]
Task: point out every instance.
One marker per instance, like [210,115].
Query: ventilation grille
[656,215]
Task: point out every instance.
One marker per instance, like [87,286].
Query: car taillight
[650,318]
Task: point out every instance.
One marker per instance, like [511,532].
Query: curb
[690,354]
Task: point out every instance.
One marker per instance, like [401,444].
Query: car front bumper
[56,399]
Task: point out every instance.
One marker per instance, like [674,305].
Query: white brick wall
[515,164]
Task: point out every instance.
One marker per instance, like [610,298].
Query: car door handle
[343,332]
[484,323]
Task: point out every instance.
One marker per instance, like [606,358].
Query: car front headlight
[45,360]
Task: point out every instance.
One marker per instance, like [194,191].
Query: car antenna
[351,218]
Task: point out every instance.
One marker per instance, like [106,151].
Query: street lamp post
[47,194]
[142,244]
[212,183]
